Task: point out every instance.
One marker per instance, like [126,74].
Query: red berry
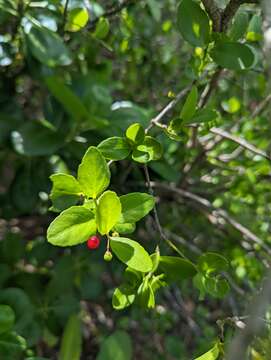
[93,242]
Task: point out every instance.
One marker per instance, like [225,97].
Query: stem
[65,14]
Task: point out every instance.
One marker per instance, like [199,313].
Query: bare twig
[156,217]
[157,119]
[242,142]
[260,107]
[248,234]
[207,92]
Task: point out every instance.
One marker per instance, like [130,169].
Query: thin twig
[242,142]
[156,217]
[248,234]
[260,107]
[207,92]
[157,119]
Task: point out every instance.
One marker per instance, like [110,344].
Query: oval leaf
[7,318]
[108,212]
[135,133]
[115,148]
[131,253]
[193,23]
[73,226]
[212,354]
[122,297]
[233,55]
[77,19]
[71,342]
[117,346]
[176,268]
[150,146]
[190,104]
[47,47]
[93,173]
[135,206]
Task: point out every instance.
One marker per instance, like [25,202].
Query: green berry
[108,255]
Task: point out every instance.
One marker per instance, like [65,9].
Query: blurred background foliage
[69,78]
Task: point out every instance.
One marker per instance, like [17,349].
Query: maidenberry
[93,242]
[108,255]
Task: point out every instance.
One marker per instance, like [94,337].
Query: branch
[207,92]
[65,14]
[242,142]
[260,107]
[248,234]
[156,217]
[231,10]
[214,13]
[166,109]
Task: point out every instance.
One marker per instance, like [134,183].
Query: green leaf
[212,354]
[7,318]
[123,297]
[212,262]
[11,346]
[176,268]
[254,31]
[140,156]
[149,146]
[71,342]
[47,47]
[190,105]
[77,19]
[65,184]
[202,116]
[193,23]
[117,346]
[155,257]
[19,301]
[145,295]
[69,100]
[102,28]
[108,211]
[155,9]
[216,286]
[233,55]
[35,139]
[132,278]
[231,105]
[93,173]
[213,285]
[73,226]
[66,191]
[23,192]
[115,148]
[172,130]
[239,26]
[131,253]
[135,206]
[135,133]
[125,228]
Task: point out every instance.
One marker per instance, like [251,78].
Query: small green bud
[108,256]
